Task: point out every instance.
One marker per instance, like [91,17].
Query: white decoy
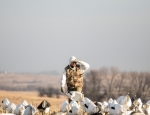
[104,107]
[89,107]
[105,103]
[109,102]
[140,105]
[125,100]
[147,109]
[24,103]
[117,109]
[74,108]
[112,105]
[44,106]
[11,107]
[30,110]
[148,102]
[65,106]
[5,103]
[19,110]
[74,95]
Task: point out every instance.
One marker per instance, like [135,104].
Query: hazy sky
[41,35]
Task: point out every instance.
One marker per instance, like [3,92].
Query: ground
[31,98]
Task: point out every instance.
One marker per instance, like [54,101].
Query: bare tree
[122,80]
[143,85]
[139,84]
[112,81]
[133,83]
[147,89]
[93,84]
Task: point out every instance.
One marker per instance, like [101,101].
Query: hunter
[73,75]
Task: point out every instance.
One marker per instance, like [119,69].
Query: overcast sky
[41,35]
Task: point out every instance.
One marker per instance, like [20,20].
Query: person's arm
[63,82]
[63,79]
[83,65]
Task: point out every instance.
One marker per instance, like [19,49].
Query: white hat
[72,58]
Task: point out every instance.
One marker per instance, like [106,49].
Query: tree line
[108,83]
[49,91]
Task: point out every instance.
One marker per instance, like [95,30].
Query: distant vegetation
[110,82]
[49,91]
[26,88]
[27,82]
[98,84]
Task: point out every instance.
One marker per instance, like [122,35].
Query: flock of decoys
[80,105]
[24,108]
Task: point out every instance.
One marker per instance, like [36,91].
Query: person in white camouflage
[73,75]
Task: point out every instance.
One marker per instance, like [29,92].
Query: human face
[73,64]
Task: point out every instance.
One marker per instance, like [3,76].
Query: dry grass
[13,80]
[31,98]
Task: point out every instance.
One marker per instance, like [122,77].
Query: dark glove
[62,89]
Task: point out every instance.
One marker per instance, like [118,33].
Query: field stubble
[31,98]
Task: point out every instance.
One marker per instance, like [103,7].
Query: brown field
[31,98]
[28,81]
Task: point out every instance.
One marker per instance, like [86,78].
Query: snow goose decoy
[30,110]
[11,107]
[125,100]
[5,103]
[74,108]
[19,110]
[44,106]
[74,95]
[89,107]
